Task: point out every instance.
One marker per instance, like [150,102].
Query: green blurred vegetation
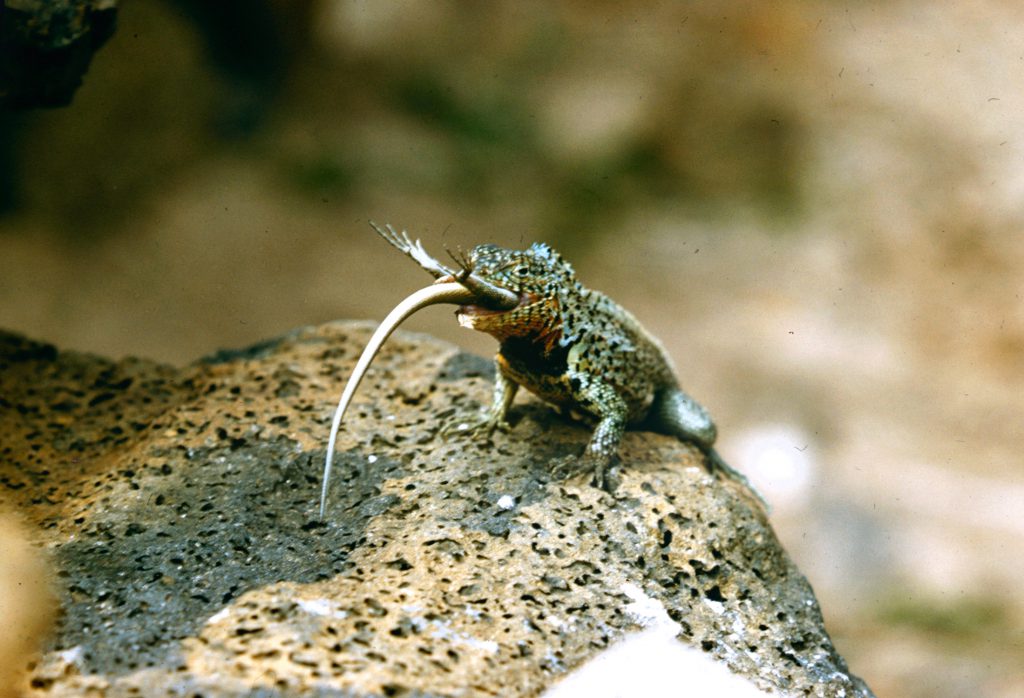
[716,137]
[965,621]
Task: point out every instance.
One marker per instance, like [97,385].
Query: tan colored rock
[27,604]
[181,505]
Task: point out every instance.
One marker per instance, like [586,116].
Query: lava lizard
[573,347]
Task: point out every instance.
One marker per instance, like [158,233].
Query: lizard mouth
[488,297]
[474,310]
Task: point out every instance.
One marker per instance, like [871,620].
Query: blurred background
[817,205]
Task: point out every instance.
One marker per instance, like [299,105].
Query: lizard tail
[717,464]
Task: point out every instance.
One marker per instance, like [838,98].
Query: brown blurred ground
[816,206]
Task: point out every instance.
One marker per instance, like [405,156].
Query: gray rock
[181,507]
[46,47]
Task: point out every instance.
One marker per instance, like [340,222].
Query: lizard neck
[537,324]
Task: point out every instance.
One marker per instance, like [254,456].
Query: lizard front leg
[497,416]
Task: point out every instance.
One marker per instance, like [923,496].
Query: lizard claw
[603,467]
[414,250]
[565,467]
[480,429]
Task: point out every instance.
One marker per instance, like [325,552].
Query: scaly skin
[579,350]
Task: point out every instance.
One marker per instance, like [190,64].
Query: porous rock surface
[180,507]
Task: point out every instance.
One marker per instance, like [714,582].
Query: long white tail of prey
[449,292]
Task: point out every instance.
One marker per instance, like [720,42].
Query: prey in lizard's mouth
[525,299]
[476,316]
[497,291]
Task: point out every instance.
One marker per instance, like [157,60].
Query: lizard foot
[604,470]
[481,429]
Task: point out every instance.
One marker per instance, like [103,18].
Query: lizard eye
[521,270]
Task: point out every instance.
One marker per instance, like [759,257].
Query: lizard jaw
[468,315]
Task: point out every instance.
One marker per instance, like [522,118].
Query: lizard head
[539,270]
[538,276]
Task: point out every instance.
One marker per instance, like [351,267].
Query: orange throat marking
[529,320]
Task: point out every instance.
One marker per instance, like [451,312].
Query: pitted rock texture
[180,506]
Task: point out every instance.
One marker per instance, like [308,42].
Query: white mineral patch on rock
[652,663]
